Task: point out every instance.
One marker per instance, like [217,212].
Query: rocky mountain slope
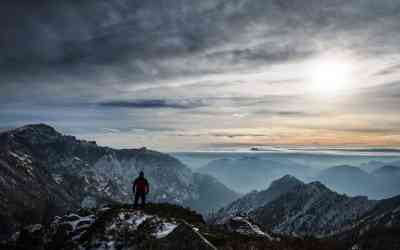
[379,228]
[311,209]
[167,226]
[158,226]
[43,173]
[290,206]
[256,199]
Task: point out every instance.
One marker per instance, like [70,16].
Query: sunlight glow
[330,76]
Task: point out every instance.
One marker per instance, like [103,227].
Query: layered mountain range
[379,183]
[247,173]
[44,173]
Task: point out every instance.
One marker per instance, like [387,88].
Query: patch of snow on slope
[135,219]
[164,230]
[57,178]
[250,228]
[24,161]
[34,228]
[77,221]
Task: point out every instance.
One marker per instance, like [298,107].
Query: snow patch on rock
[164,230]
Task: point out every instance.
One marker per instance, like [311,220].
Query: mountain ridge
[255,199]
[48,172]
[290,206]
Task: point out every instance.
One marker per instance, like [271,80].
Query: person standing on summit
[140,189]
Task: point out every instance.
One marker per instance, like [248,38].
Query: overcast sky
[183,75]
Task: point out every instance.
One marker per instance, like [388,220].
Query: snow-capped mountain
[45,172]
[256,199]
[311,209]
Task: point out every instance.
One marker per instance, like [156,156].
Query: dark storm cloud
[100,31]
[103,32]
[155,104]
[104,44]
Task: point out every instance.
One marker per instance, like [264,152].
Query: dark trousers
[141,196]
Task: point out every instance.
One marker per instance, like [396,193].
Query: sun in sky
[330,76]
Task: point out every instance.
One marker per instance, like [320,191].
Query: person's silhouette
[140,189]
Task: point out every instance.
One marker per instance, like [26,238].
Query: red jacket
[140,185]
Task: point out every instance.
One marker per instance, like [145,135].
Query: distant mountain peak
[310,209]
[346,168]
[255,199]
[319,186]
[286,180]
[387,169]
[37,127]
[33,134]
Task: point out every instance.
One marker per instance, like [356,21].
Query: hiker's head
[141,174]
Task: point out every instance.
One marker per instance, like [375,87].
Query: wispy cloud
[155,104]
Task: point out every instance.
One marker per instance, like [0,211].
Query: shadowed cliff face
[44,173]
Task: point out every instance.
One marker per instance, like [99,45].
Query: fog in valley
[372,173]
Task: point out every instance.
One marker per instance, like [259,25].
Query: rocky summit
[158,226]
[167,226]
